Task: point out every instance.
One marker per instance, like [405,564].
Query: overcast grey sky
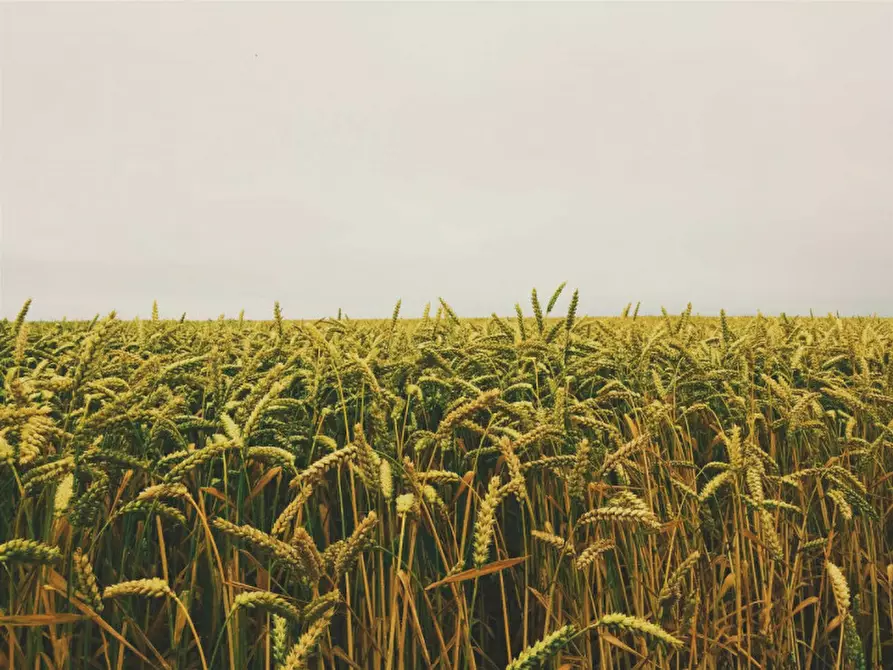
[343,155]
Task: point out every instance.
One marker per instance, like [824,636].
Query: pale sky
[223,156]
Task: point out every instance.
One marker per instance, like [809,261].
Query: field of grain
[541,491]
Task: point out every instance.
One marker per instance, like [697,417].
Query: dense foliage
[567,492]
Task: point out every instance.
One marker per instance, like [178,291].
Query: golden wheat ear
[150,588]
[840,588]
[486,519]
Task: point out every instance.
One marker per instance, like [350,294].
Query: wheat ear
[536,654]
[590,553]
[554,540]
[152,588]
[635,624]
[352,547]
[839,587]
[297,657]
[86,580]
[267,601]
[28,551]
[483,527]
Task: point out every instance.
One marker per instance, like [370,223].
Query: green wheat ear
[395,315]
[554,330]
[449,312]
[538,653]
[554,297]
[20,317]
[572,311]
[28,551]
[502,326]
[667,320]
[277,315]
[683,319]
[521,331]
[537,311]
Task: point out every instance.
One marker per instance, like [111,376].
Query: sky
[223,156]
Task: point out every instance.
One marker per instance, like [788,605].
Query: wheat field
[543,490]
